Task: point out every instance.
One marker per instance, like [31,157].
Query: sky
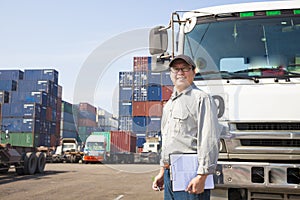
[87,41]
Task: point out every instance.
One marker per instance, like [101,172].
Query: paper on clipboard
[184,169]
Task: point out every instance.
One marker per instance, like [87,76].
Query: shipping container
[83,114]
[67,117]
[125,123]
[41,74]
[140,78]
[68,134]
[154,125]
[154,93]
[69,126]
[11,75]
[67,107]
[166,79]
[125,108]
[4,97]
[140,123]
[87,122]
[87,107]
[125,93]
[154,78]
[154,108]
[166,92]
[26,139]
[140,93]
[20,125]
[122,141]
[8,85]
[23,110]
[125,79]
[38,85]
[139,108]
[29,97]
[141,63]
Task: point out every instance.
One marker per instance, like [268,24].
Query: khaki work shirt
[189,125]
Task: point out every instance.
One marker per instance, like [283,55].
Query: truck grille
[270,142]
[267,126]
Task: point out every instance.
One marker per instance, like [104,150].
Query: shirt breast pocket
[181,119]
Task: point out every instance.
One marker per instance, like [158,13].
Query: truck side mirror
[158,40]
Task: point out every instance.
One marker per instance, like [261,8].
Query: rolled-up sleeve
[208,135]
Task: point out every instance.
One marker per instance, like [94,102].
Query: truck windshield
[245,48]
[95,146]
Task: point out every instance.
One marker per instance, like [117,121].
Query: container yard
[35,118]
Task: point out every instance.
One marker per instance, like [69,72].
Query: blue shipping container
[29,97]
[11,75]
[125,108]
[125,93]
[154,124]
[166,79]
[20,125]
[41,74]
[154,93]
[38,85]
[23,110]
[154,78]
[8,85]
[140,123]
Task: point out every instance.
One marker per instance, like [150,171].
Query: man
[189,124]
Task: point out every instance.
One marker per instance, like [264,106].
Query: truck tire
[30,161]
[41,162]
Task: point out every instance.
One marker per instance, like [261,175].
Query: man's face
[182,74]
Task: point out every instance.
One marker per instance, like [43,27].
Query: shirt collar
[176,94]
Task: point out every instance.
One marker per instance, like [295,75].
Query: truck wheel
[30,163]
[41,162]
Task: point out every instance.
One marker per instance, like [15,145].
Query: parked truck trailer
[248,59]
[118,147]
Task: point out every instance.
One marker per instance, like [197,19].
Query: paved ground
[82,181]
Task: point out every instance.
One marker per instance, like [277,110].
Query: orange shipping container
[166,92]
[154,108]
[139,108]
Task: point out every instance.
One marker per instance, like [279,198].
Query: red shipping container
[87,107]
[166,92]
[122,141]
[154,108]
[139,108]
[140,63]
[54,140]
[49,114]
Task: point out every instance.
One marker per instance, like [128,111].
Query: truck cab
[248,60]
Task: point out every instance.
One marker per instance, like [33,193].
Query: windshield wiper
[224,75]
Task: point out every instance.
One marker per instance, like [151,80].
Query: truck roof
[95,138]
[243,7]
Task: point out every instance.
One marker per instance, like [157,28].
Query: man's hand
[196,186]
[158,182]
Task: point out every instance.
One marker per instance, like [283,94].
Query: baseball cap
[187,59]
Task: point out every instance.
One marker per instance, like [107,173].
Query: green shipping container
[107,136]
[67,107]
[21,139]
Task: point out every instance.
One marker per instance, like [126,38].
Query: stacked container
[85,115]
[141,101]
[68,125]
[29,106]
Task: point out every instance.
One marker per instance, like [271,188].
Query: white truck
[248,59]
[95,149]
[68,151]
